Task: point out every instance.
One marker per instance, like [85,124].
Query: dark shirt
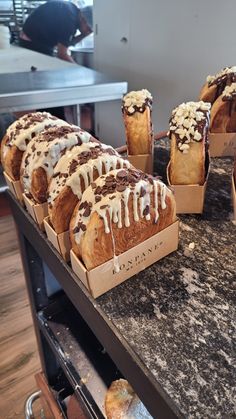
[52,23]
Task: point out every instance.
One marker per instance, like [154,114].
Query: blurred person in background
[54,24]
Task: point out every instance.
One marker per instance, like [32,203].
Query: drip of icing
[112,207]
[45,154]
[85,170]
[21,136]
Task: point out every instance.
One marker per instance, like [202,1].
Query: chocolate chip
[87,212]
[121,188]
[146,210]
[121,174]
[93,185]
[103,206]
[98,198]
[142,191]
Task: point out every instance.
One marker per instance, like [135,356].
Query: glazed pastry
[118,211]
[42,155]
[121,402]
[188,134]
[19,134]
[223,112]
[73,174]
[215,85]
[136,109]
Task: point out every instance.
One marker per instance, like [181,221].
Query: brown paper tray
[143,162]
[103,278]
[37,211]
[189,198]
[222,145]
[60,241]
[15,187]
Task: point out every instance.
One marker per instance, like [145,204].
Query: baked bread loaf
[118,211]
[223,112]
[121,402]
[188,133]
[19,134]
[74,172]
[215,85]
[136,109]
[43,153]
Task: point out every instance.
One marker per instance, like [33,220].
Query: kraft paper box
[222,145]
[15,187]
[37,211]
[234,195]
[60,241]
[189,198]
[104,277]
[143,162]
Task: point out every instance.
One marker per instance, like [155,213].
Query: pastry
[73,173]
[19,134]
[118,211]
[136,109]
[223,112]
[215,85]
[121,402]
[188,134]
[43,153]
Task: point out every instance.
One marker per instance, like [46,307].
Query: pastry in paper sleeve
[188,134]
[215,85]
[19,135]
[118,211]
[73,173]
[136,109]
[121,402]
[223,112]
[43,153]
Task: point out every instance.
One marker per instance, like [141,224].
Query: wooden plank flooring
[18,351]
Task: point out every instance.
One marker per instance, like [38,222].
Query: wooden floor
[18,351]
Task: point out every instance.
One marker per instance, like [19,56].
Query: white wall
[172,46]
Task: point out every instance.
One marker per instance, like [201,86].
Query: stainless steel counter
[54,83]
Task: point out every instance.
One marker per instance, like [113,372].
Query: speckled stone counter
[179,314]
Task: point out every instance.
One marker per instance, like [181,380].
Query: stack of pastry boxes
[113,272]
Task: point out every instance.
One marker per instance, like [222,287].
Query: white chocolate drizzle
[104,162]
[190,121]
[23,130]
[110,205]
[45,152]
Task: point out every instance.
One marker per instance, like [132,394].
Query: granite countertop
[179,314]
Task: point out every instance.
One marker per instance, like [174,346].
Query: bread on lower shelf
[223,112]
[188,133]
[43,153]
[136,108]
[73,173]
[121,402]
[215,85]
[19,135]
[118,211]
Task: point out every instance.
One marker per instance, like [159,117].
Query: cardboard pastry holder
[234,195]
[143,162]
[60,241]
[222,145]
[189,198]
[104,277]
[37,211]
[15,187]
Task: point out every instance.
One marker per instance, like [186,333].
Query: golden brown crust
[189,168]
[208,93]
[61,209]
[118,399]
[39,185]
[138,127]
[12,162]
[96,246]
[223,116]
